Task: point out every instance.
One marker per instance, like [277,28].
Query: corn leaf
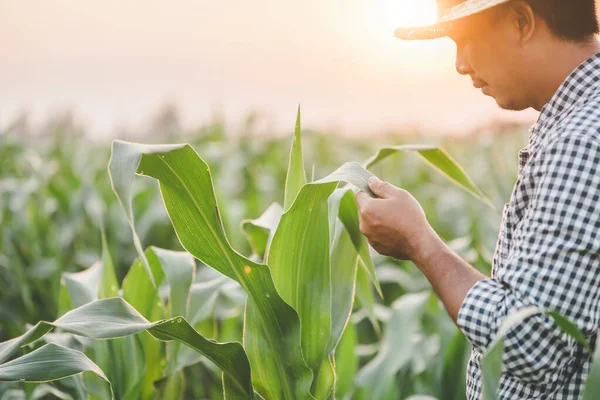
[264,364]
[343,209]
[187,191]
[592,386]
[48,363]
[139,292]
[324,383]
[346,363]
[440,160]
[365,298]
[396,349]
[350,172]
[179,269]
[82,287]
[349,216]
[260,231]
[123,164]
[453,378]
[123,358]
[108,286]
[296,174]
[299,261]
[203,298]
[115,318]
[344,262]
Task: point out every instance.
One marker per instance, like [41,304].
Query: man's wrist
[429,246]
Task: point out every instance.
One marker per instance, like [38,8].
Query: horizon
[116,64]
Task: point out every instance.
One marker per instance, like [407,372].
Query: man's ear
[523,19]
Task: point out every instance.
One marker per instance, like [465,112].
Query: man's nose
[462,64]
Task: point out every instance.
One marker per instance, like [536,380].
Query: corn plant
[310,263]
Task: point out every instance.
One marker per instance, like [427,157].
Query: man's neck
[563,59]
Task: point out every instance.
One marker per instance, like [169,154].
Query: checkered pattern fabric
[548,252]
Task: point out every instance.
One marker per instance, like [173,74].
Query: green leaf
[264,364]
[230,357]
[344,262]
[129,354]
[365,298]
[108,286]
[187,191]
[172,387]
[260,231]
[42,390]
[114,318]
[82,287]
[491,370]
[179,269]
[453,378]
[48,363]
[351,172]
[396,348]
[570,328]
[296,174]
[349,216]
[346,363]
[299,261]
[139,292]
[324,383]
[592,386]
[440,160]
[203,298]
[123,164]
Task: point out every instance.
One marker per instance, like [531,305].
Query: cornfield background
[65,242]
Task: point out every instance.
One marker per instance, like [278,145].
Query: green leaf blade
[48,363]
[296,174]
[186,187]
[440,160]
[299,261]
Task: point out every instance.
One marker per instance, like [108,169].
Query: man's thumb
[380,188]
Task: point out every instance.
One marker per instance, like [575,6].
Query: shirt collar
[577,87]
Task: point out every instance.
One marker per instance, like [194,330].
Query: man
[523,53]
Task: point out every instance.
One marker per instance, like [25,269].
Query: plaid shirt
[548,252]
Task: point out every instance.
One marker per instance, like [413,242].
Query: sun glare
[411,12]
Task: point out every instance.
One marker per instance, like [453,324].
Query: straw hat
[448,11]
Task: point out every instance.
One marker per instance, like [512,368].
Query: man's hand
[396,226]
[395,223]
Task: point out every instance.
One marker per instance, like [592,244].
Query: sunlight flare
[410,12]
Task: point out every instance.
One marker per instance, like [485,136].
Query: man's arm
[554,260]
[450,276]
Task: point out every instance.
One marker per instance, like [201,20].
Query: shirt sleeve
[553,263]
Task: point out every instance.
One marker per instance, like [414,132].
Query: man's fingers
[362,199]
[380,188]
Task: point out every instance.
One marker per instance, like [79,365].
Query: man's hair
[574,20]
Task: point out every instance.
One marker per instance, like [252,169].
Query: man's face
[487,49]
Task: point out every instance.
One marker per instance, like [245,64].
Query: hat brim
[439,29]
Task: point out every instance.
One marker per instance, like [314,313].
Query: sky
[116,62]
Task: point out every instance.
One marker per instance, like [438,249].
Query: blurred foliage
[55,194]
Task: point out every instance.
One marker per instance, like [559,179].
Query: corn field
[232,266]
